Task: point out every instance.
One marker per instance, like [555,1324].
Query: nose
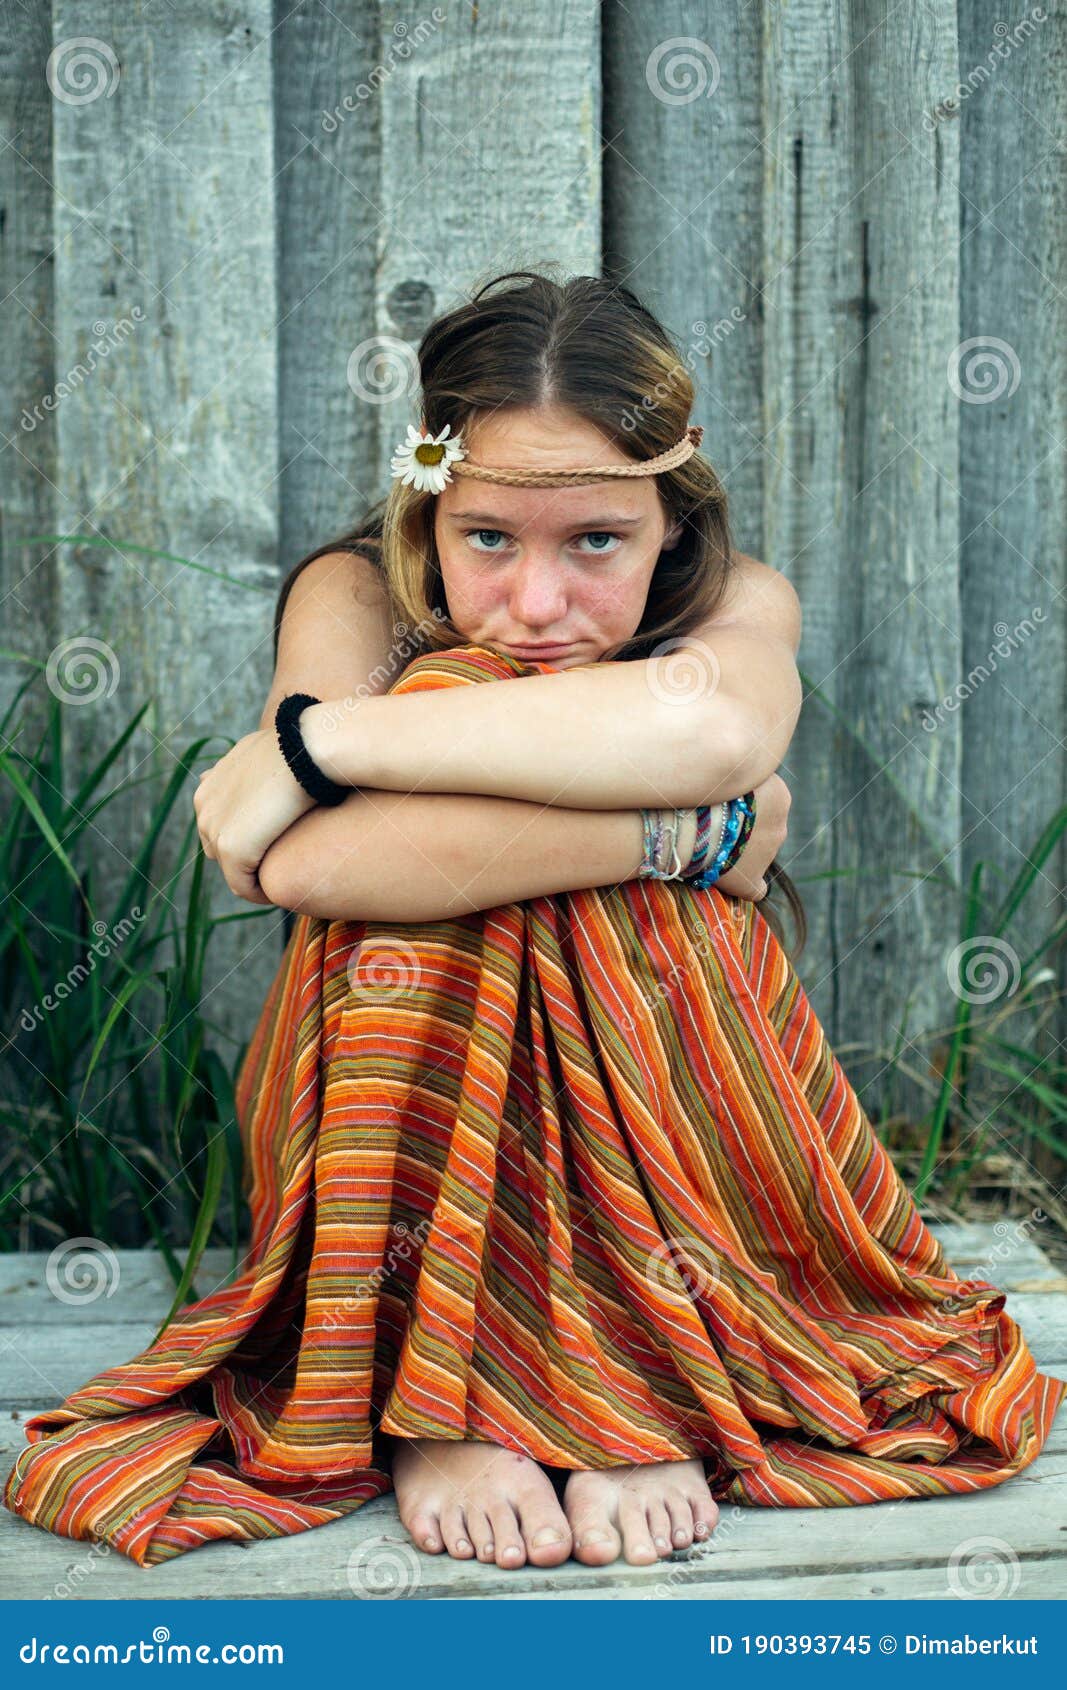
[537,598]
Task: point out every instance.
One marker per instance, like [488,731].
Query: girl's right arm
[427,856]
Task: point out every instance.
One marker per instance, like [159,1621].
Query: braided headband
[427,461]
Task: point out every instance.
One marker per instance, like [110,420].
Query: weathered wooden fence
[227,226]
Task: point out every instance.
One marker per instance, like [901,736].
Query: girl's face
[565,567]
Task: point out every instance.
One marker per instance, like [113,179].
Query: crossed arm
[467,801]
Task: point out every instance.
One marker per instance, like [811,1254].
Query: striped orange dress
[577,1175]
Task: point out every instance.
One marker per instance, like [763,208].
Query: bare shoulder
[761,596]
[345,572]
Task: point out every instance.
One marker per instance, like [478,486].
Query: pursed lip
[538,650]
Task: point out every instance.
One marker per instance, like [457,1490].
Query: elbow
[744,750]
[282,877]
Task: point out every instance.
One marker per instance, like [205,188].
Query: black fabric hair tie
[287,721]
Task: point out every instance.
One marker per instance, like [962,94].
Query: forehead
[545,438]
[466,498]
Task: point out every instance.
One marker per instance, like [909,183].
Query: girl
[566,1222]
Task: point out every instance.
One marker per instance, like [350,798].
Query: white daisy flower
[422,460]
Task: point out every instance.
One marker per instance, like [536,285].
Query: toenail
[701,1529]
[661,1542]
[680,1535]
[461,1543]
[512,1550]
[594,1536]
[430,1542]
[547,1534]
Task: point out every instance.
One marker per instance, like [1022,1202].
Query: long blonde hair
[525,340]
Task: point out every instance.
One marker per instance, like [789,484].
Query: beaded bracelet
[287,723]
[739,821]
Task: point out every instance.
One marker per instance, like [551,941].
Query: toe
[454,1532]
[660,1527]
[681,1512]
[424,1527]
[481,1534]
[545,1531]
[705,1513]
[637,1544]
[510,1550]
[593,1535]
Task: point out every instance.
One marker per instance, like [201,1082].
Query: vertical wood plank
[164,206]
[27,368]
[683,175]
[1012,116]
[327,116]
[490,162]
[900,483]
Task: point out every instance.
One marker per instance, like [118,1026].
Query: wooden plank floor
[49,1347]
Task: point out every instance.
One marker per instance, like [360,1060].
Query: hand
[243,804]
[747,877]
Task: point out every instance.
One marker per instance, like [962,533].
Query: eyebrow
[581,522]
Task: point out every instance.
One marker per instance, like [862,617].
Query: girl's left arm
[709,719]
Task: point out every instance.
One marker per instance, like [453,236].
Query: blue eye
[590,534]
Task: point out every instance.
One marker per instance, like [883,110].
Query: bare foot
[478,1499]
[655,1508]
